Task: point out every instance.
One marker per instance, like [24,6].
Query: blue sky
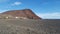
[46,9]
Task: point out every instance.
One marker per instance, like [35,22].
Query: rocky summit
[25,13]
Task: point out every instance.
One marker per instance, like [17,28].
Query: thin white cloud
[50,15]
[3,11]
[16,3]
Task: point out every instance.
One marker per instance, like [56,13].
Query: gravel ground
[29,26]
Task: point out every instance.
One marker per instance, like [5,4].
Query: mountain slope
[22,13]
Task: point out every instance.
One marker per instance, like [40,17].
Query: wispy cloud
[16,3]
[50,15]
[3,11]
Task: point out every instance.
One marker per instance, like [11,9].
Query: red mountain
[22,13]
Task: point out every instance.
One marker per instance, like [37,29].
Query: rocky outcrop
[26,13]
